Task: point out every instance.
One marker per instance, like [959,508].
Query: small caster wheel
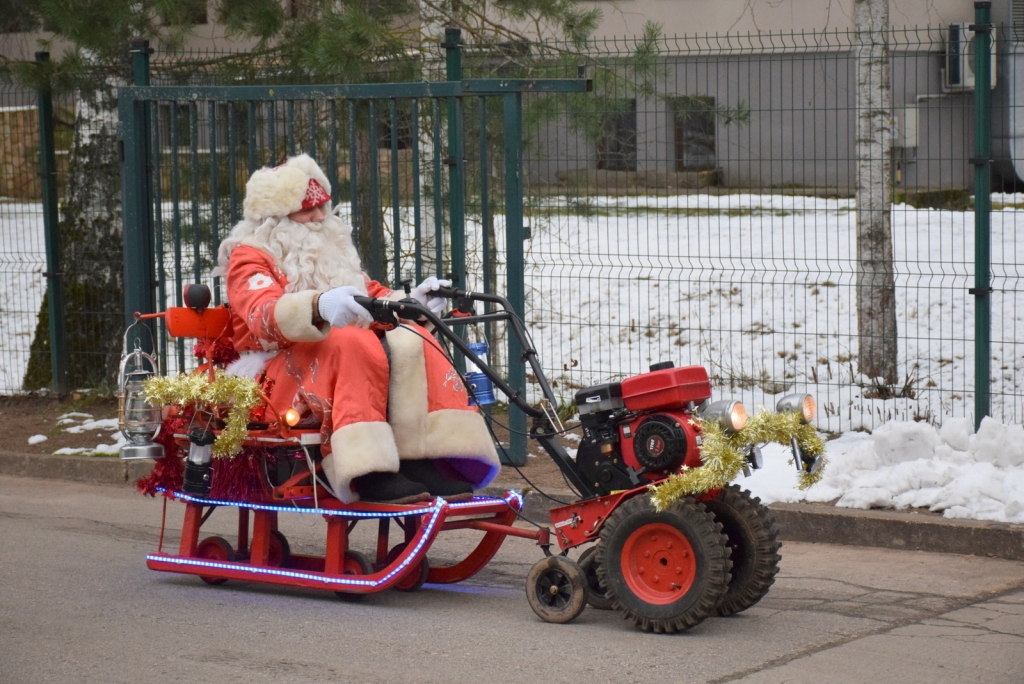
[597,597]
[356,563]
[215,549]
[280,552]
[556,589]
[415,576]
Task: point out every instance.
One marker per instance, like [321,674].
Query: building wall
[690,17]
[800,130]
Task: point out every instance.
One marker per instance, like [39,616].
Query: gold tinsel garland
[242,394]
[723,460]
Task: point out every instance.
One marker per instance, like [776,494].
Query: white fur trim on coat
[294,315]
[447,434]
[279,191]
[407,392]
[249,364]
[358,449]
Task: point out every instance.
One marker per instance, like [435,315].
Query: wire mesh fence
[699,206]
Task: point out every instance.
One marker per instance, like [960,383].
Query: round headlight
[732,414]
[803,404]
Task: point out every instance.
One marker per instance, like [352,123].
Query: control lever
[407,286]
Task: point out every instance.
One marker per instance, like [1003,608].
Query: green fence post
[51,228]
[515,268]
[982,209]
[139,276]
[456,171]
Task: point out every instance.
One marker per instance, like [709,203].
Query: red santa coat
[374,410]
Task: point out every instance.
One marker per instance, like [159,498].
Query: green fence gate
[188,151]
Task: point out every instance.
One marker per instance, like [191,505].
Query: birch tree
[876,289]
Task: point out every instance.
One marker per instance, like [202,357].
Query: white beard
[312,256]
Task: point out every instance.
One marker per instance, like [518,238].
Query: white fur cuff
[294,316]
[459,433]
[358,449]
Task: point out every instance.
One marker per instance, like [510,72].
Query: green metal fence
[699,206]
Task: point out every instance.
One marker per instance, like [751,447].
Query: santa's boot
[363,465]
[393,488]
[438,484]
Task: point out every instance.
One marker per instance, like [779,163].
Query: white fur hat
[279,191]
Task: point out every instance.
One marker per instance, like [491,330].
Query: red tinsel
[223,351]
[240,478]
[168,471]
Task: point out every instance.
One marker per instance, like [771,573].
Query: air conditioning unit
[958,75]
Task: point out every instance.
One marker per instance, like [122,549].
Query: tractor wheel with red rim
[597,596]
[415,577]
[556,589]
[666,571]
[356,563]
[215,549]
[280,551]
[754,542]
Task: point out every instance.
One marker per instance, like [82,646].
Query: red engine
[639,430]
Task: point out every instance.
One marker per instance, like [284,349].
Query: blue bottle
[481,389]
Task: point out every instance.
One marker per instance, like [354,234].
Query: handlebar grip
[449,292]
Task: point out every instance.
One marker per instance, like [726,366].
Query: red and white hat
[277,192]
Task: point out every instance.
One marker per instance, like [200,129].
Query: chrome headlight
[803,404]
[730,413]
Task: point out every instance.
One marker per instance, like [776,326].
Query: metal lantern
[197,466]
[139,422]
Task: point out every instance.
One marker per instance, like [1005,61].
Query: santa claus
[395,420]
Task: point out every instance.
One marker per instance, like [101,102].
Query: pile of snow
[913,465]
[77,423]
[36,439]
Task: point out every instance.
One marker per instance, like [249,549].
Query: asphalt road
[77,604]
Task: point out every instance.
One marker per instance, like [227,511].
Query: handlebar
[388,312]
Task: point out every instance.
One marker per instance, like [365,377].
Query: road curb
[816,523]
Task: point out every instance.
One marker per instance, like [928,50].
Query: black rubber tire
[215,548]
[597,597]
[280,552]
[556,589]
[754,542]
[710,564]
[415,579]
[358,561]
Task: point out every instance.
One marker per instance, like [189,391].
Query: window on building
[187,13]
[18,18]
[693,118]
[616,150]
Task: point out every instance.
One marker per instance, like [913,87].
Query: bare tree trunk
[91,258]
[876,289]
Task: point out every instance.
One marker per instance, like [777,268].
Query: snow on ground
[912,465]
[77,423]
[36,439]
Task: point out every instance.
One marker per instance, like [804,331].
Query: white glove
[422,294]
[338,307]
